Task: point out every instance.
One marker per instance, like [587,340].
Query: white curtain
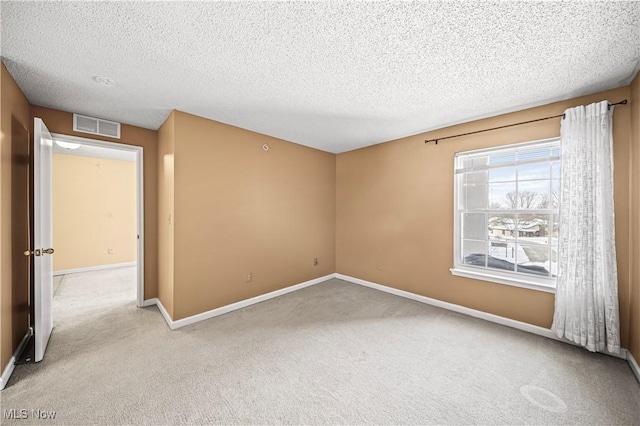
[586,305]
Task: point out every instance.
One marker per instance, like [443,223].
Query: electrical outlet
[109,215]
[315,261]
[379,265]
[111,251]
[248,277]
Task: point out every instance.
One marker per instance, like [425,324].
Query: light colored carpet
[332,353]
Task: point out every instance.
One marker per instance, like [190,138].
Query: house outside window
[506,214]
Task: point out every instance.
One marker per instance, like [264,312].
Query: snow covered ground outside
[533,251]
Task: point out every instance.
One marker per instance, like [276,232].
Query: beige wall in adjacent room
[62,122]
[240,209]
[94,211]
[166,213]
[634,328]
[395,209]
[15,130]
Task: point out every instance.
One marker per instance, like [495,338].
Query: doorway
[98,238]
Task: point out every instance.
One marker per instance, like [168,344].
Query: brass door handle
[38,252]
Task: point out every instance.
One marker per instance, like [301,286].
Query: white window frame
[532,282]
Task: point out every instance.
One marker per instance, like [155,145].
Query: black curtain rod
[622,102]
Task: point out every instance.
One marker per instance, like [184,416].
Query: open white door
[42,237]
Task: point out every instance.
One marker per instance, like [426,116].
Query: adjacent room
[94,192]
[320,212]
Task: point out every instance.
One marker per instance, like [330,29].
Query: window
[506,214]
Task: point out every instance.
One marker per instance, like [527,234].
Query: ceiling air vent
[96,126]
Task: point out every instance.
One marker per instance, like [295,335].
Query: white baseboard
[530,328]
[150,302]
[161,308]
[173,325]
[8,369]
[634,365]
[93,268]
[165,315]
[244,303]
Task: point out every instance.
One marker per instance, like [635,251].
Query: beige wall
[62,122]
[94,210]
[241,209]
[634,329]
[15,128]
[395,208]
[166,213]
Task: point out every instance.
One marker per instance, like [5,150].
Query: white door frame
[140,196]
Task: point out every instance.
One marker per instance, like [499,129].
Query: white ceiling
[332,75]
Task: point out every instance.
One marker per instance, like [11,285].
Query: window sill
[484,275]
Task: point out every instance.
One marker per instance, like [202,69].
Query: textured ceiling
[331,75]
